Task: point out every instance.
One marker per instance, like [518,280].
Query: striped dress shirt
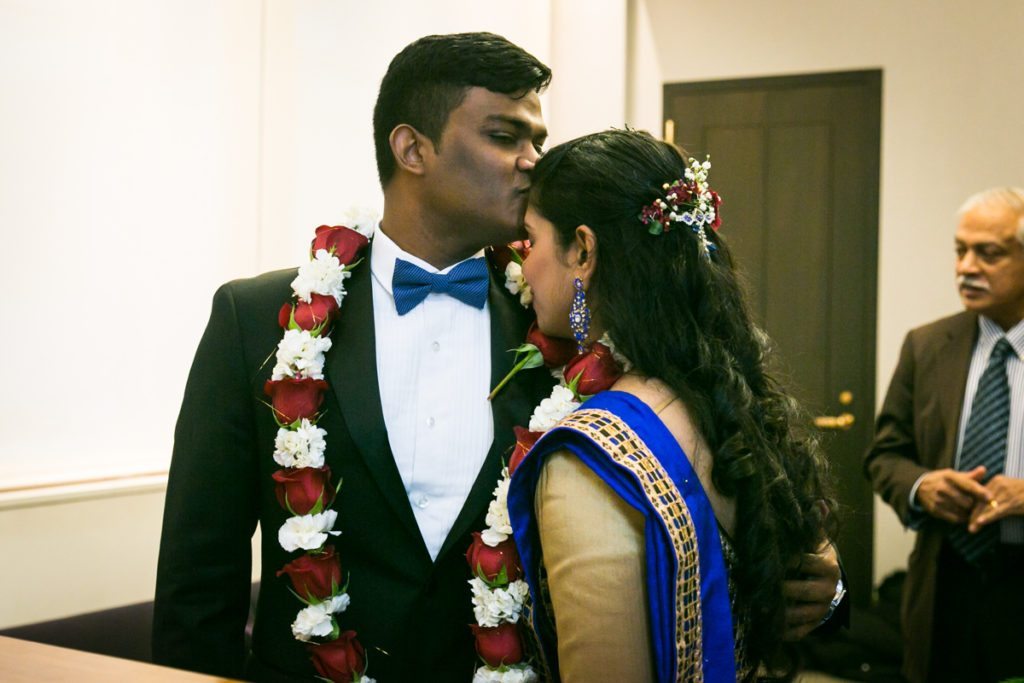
[1012,528]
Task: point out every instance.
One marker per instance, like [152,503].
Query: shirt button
[421,501]
[436,346]
[430,422]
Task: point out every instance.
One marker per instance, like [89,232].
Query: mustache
[973,281]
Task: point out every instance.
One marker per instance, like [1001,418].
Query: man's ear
[408,146]
[585,251]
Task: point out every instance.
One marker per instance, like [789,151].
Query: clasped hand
[960,497]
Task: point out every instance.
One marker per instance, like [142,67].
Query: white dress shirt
[434,372]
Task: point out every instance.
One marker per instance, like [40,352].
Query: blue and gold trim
[689,605]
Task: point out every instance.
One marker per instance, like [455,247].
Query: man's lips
[969,292]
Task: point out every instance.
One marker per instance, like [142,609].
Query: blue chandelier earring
[579,316]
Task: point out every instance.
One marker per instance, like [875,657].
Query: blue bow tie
[467,282]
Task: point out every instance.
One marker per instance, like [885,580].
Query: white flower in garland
[494,606]
[318,619]
[515,283]
[551,410]
[499,526]
[308,532]
[517,673]
[300,354]
[322,274]
[302,447]
[361,219]
[624,362]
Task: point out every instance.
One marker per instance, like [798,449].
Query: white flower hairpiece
[689,201]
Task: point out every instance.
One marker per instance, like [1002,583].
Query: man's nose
[527,160]
[967,263]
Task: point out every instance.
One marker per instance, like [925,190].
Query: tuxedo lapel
[956,356]
[351,368]
[512,406]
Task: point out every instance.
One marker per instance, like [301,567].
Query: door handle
[840,421]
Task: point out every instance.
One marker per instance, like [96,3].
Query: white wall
[951,114]
[128,150]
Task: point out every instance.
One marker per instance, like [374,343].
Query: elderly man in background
[948,456]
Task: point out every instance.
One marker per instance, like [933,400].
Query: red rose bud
[320,310]
[298,490]
[314,576]
[490,560]
[339,660]
[556,352]
[344,243]
[501,255]
[524,442]
[596,369]
[295,399]
[498,645]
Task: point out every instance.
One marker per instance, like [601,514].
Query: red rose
[524,442]
[502,254]
[556,352]
[295,399]
[318,311]
[284,316]
[298,490]
[596,370]
[314,576]
[339,660]
[344,243]
[498,645]
[490,560]
[716,201]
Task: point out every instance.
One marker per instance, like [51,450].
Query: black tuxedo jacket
[410,613]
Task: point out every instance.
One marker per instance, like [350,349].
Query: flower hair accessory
[689,201]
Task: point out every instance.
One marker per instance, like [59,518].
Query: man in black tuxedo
[457,128]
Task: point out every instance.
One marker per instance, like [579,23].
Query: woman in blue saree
[655,522]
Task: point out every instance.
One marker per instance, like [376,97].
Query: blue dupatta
[621,439]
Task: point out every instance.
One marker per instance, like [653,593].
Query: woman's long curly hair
[682,318]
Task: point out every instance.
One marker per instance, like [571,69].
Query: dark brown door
[796,160]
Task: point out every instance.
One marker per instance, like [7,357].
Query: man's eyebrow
[519,124]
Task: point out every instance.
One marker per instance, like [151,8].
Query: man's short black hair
[429,78]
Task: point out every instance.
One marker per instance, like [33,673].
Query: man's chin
[975,301]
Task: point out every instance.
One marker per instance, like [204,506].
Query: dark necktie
[985,443]
[467,282]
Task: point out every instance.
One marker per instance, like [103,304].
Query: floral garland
[498,592]
[303,485]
